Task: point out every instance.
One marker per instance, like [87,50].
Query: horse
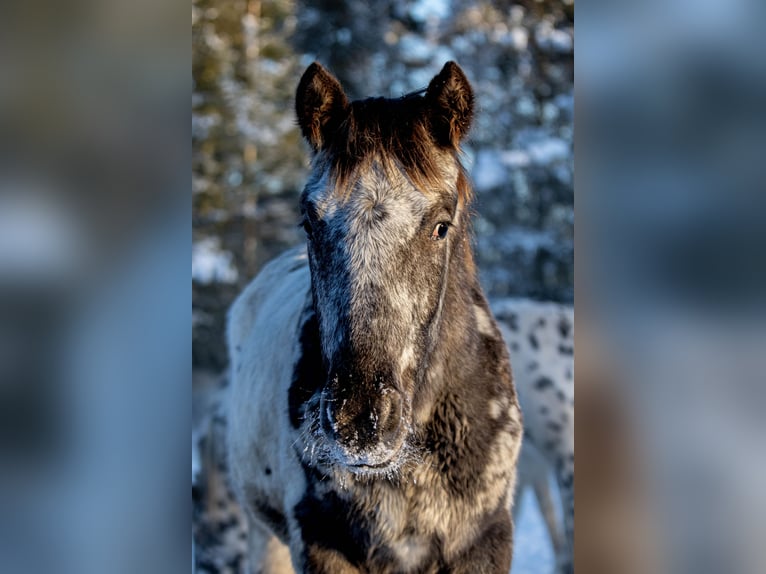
[540,338]
[373,421]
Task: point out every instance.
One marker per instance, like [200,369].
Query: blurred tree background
[249,162]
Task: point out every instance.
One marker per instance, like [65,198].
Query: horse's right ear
[320,104]
[451,100]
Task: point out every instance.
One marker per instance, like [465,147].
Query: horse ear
[450,99]
[320,105]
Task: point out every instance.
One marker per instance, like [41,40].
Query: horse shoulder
[289,270]
[264,346]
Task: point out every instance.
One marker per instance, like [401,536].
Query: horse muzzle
[367,430]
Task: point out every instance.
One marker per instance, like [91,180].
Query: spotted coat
[540,338]
[536,349]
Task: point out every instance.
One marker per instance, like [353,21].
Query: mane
[397,133]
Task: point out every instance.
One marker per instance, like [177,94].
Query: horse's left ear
[450,100]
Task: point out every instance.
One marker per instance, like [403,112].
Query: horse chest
[403,527]
[411,552]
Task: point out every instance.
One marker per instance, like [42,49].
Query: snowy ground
[532,548]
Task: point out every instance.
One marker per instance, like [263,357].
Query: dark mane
[397,132]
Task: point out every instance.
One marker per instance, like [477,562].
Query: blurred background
[249,162]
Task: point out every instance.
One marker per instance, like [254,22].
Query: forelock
[394,134]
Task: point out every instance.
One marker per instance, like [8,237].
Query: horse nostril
[361,420]
[390,418]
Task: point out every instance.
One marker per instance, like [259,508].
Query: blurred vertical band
[670,285]
[95,349]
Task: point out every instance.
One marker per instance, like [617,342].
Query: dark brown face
[379,261]
[379,252]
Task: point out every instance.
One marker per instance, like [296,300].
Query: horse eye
[440,231]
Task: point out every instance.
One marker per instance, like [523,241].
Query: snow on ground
[532,552]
